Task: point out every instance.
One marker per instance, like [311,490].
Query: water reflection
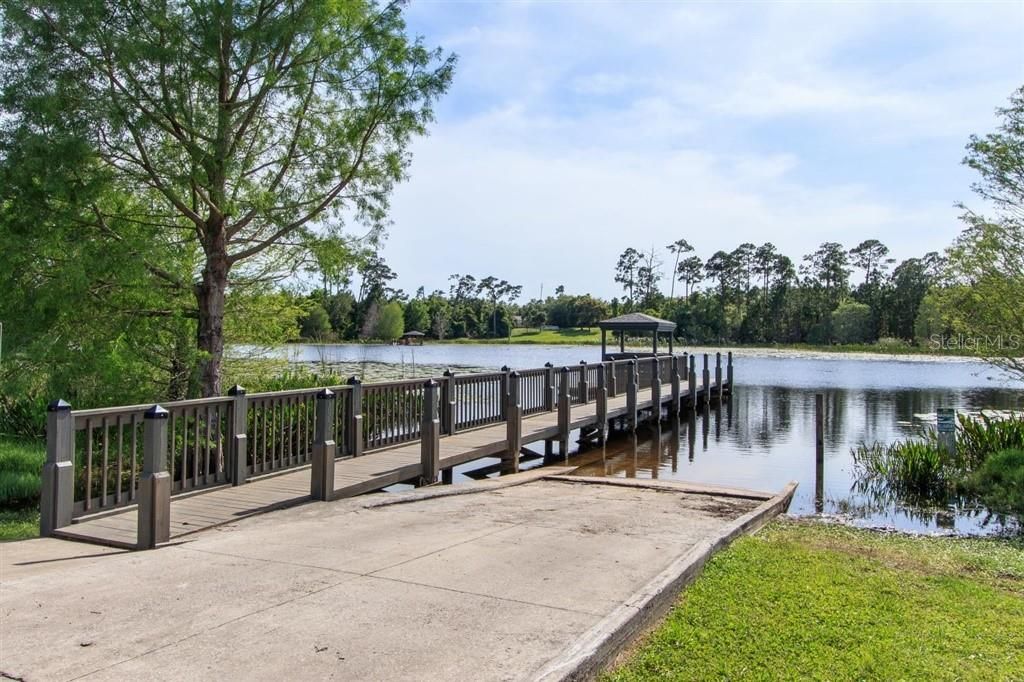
[764,437]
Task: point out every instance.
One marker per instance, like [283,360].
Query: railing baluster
[206,461]
[120,460]
[88,464]
[133,491]
[104,471]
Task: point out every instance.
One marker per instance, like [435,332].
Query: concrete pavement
[494,585]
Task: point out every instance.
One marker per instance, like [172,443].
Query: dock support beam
[321,479]
[238,465]
[58,492]
[632,386]
[154,514]
[728,370]
[719,390]
[673,407]
[354,417]
[564,413]
[707,382]
[430,434]
[601,398]
[513,427]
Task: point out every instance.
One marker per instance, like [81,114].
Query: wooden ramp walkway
[375,470]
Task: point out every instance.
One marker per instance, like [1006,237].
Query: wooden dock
[429,428]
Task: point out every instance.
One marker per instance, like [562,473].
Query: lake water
[764,437]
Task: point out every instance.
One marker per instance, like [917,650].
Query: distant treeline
[752,294]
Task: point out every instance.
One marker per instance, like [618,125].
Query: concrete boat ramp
[539,575]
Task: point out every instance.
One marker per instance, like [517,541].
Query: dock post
[154,514]
[354,417]
[691,378]
[728,372]
[238,465]
[564,413]
[57,496]
[707,381]
[513,427]
[504,391]
[601,397]
[673,407]
[550,401]
[584,387]
[430,434]
[718,377]
[632,385]
[656,390]
[819,452]
[448,403]
[321,475]
[612,388]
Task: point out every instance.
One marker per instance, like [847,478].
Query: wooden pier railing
[105,459]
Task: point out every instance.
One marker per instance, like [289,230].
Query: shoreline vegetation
[592,337]
[824,601]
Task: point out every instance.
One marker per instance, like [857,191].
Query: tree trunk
[210,293]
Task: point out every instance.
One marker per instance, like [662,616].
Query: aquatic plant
[978,439]
[982,469]
[999,482]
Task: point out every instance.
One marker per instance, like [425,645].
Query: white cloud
[575,130]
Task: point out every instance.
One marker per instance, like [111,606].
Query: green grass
[572,337]
[21,465]
[804,600]
[20,524]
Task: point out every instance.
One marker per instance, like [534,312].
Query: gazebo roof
[637,322]
[413,333]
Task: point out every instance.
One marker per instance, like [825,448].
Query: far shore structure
[636,323]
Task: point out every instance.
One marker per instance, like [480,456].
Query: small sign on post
[945,421]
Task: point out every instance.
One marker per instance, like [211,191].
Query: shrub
[999,482]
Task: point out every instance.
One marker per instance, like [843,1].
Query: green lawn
[572,337]
[21,464]
[804,600]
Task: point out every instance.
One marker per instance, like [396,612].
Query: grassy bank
[21,465]
[804,600]
[591,337]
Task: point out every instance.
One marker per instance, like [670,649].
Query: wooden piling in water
[819,452]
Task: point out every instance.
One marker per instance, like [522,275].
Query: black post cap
[325,394]
[354,380]
[429,383]
[236,390]
[156,412]
[449,373]
[505,368]
[58,405]
[548,364]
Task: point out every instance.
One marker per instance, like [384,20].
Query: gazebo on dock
[635,322]
[413,338]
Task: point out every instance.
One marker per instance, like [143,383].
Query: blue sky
[576,129]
